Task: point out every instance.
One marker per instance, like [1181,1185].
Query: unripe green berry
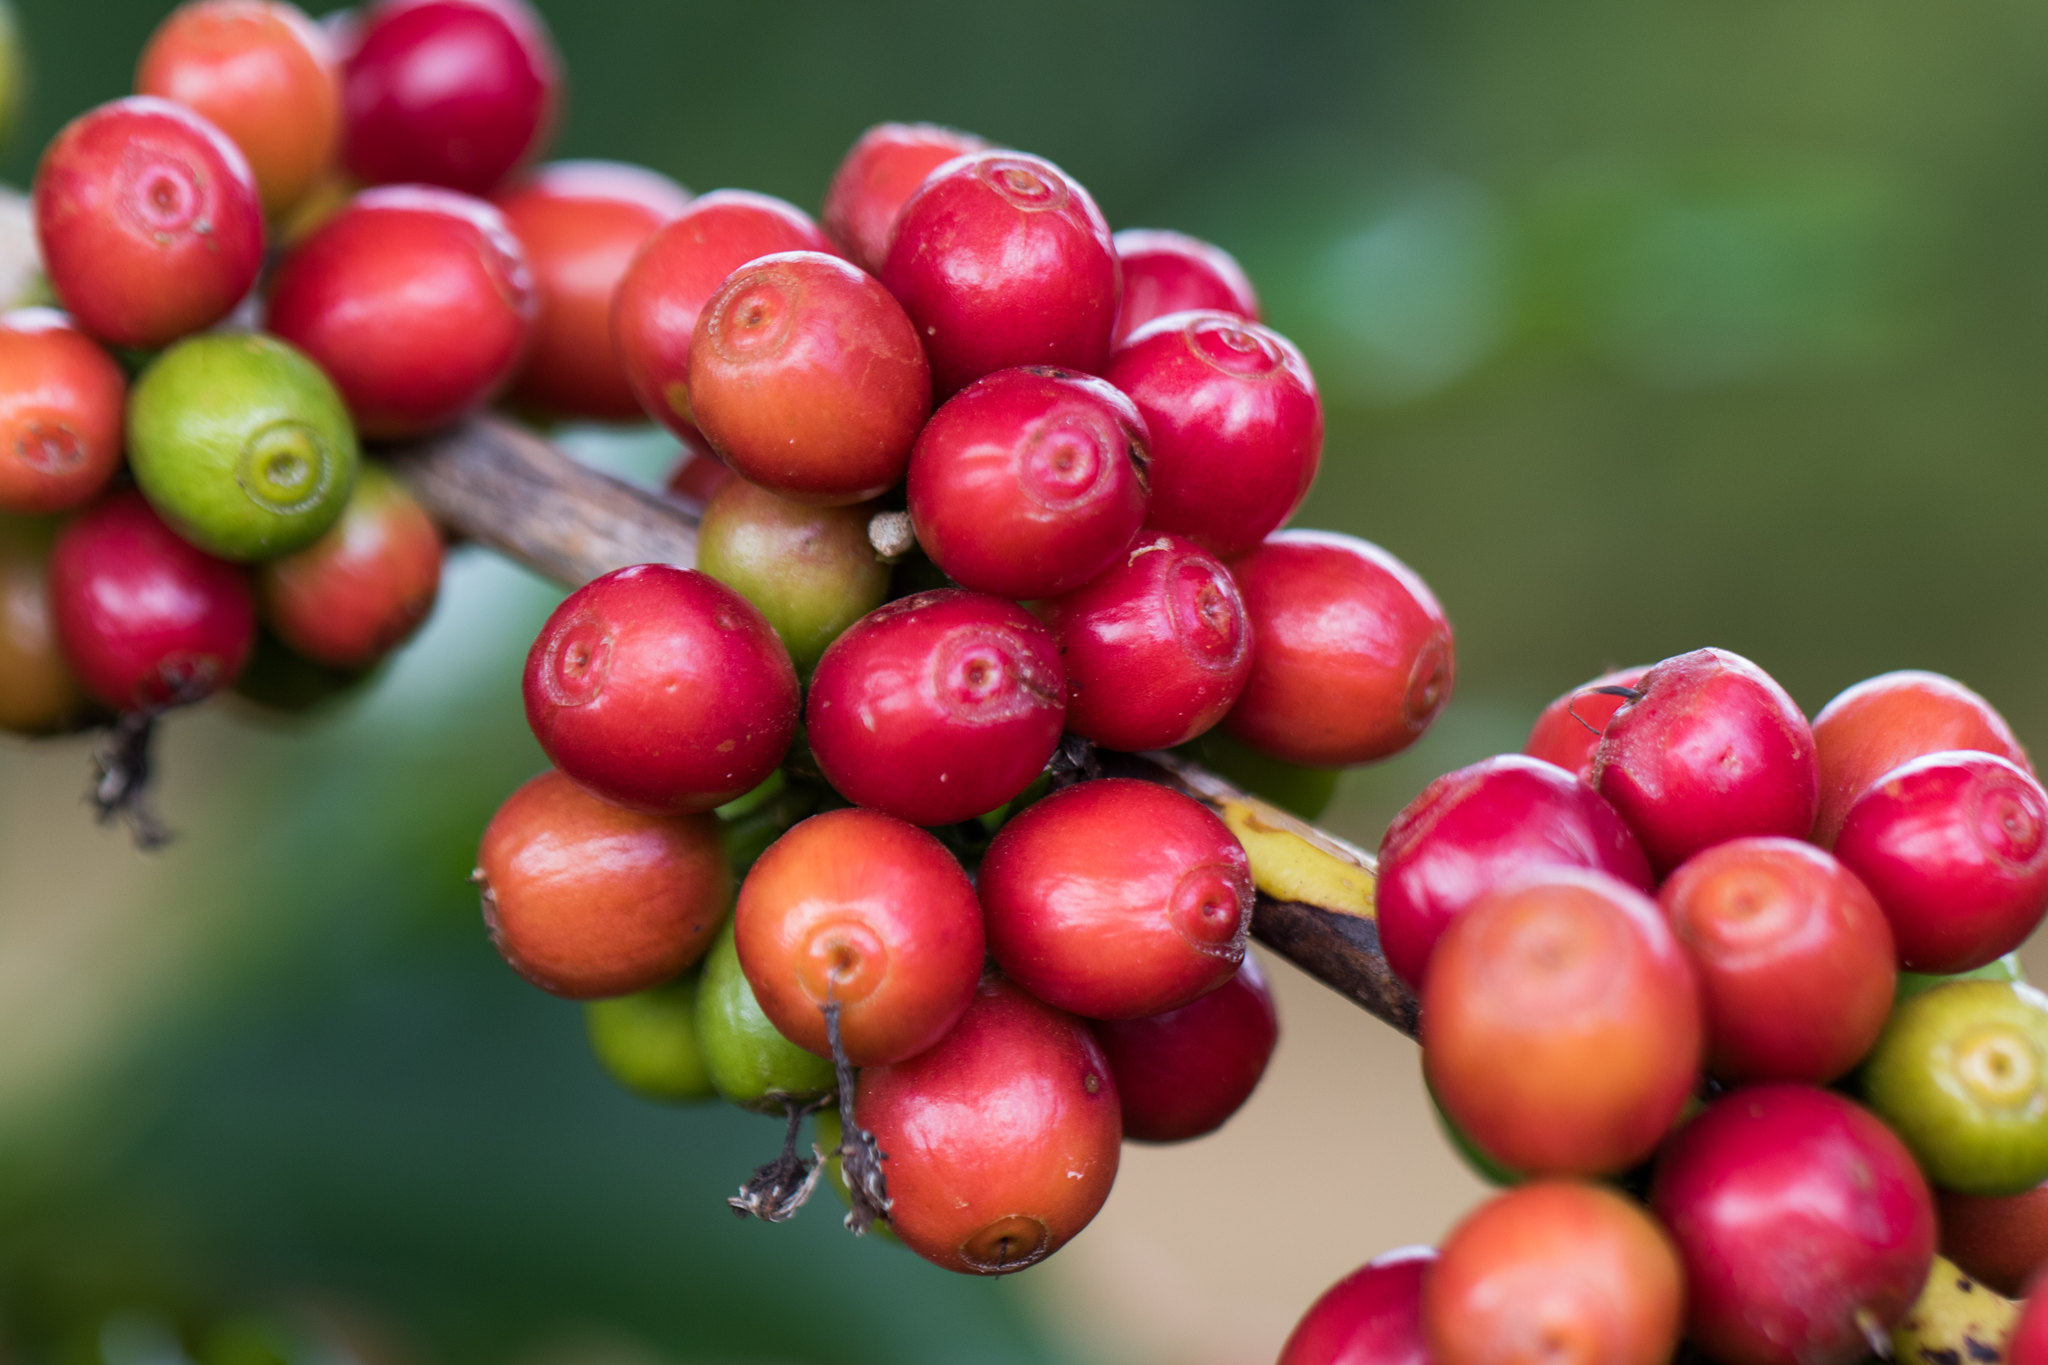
[1910,984]
[648,1042]
[809,570]
[750,1063]
[13,74]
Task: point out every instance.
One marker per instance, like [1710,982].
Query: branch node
[861,1157]
[121,765]
[778,1189]
[892,535]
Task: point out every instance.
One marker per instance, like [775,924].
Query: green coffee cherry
[1305,792]
[809,570]
[13,75]
[288,686]
[750,1064]
[648,1042]
[242,444]
[1910,984]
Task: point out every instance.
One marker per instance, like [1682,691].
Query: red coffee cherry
[456,93]
[1569,729]
[1373,1316]
[1237,428]
[62,399]
[262,73]
[1000,1143]
[1794,958]
[1183,1073]
[1955,848]
[1803,1224]
[937,707]
[1117,899]
[146,620]
[859,908]
[581,223]
[1029,483]
[661,689]
[148,221]
[1002,260]
[1713,750]
[418,303]
[1351,655]
[1881,722]
[38,693]
[807,377]
[1472,828]
[1156,647]
[881,171]
[586,899]
[2000,1239]
[2028,1344]
[1171,272]
[679,268]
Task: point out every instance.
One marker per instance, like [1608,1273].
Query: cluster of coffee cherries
[1725,999]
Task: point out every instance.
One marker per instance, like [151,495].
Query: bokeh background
[1641,327]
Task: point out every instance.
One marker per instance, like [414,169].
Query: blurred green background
[1640,326]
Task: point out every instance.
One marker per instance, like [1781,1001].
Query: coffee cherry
[1713,750]
[1373,1316]
[750,1063]
[661,689]
[857,908]
[364,587]
[1351,655]
[1569,729]
[1881,722]
[61,400]
[1793,955]
[2028,1344]
[811,571]
[1237,428]
[1481,1163]
[262,73]
[881,171]
[1171,272]
[418,303]
[1554,1273]
[808,379]
[1117,899]
[1183,1073]
[679,268]
[1471,828]
[1561,1023]
[2001,1240]
[698,474]
[448,92]
[1156,647]
[1029,483]
[1002,260]
[38,693]
[285,687]
[581,223]
[1802,1222]
[648,1042]
[1955,848]
[148,221]
[146,620]
[241,444]
[937,707]
[1000,1143]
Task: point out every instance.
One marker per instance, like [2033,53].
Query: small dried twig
[121,773]
[777,1190]
[861,1157]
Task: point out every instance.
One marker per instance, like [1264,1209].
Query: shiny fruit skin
[1373,1316]
[1955,848]
[1554,1273]
[145,619]
[363,588]
[1803,1224]
[678,269]
[1881,722]
[241,444]
[807,377]
[661,689]
[418,303]
[586,899]
[1003,260]
[2002,1240]
[1561,1023]
[1713,750]
[1794,957]
[1568,730]
[1352,658]
[1117,899]
[1237,428]
[38,693]
[749,1062]
[61,402]
[648,1042]
[1157,647]
[148,221]
[810,570]
[1029,483]
[1001,1142]
[582,223]
[1471,828]
[456,93]
[1182,1074]
[1171,272]
[2029,1342]
[937,707]
[262,73]
[878,175]
[860,908]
